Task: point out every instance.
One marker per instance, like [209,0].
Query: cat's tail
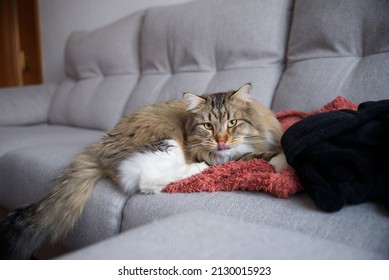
[25,229]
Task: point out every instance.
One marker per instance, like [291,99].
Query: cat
[145,151]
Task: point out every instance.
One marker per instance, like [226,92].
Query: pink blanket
[255,174]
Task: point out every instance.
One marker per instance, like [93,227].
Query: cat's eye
[208,126]
[232,123]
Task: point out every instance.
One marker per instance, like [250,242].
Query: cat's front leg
[264,155]
[277,160]
[152,171]
[155,182]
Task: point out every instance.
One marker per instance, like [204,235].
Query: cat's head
[222,126]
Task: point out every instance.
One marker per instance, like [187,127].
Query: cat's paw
[197,168]
[279,162]
[155,183]
[151,188]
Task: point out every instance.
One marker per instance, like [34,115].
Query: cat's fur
[147,150]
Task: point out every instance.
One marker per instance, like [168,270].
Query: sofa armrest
[25,105]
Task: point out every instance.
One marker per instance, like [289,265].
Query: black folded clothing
[342,156]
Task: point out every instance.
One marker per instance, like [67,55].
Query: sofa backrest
[336,48]
[162,52]
[103,68]
[210,46]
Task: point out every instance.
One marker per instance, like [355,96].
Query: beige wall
[60,17]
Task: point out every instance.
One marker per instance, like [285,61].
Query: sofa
[297,55]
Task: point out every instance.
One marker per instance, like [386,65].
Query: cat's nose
[221,138]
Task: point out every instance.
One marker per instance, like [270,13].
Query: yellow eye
[208,126]
[231,123]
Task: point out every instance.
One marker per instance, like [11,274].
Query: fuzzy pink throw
[255,174]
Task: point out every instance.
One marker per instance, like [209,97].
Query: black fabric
[342,156]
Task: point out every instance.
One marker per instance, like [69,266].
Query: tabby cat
[145,151]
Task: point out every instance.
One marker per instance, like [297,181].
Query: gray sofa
[297,54]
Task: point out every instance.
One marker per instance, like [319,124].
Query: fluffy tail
[26,229]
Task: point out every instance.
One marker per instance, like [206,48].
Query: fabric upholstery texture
[103,68]
[231,239]
[34,167]
[37,167]
[336,48]
[15,137]
[27,105]
[363,226]
[103,213]
[229,44]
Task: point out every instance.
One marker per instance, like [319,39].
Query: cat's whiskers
[257,141]
[189,147]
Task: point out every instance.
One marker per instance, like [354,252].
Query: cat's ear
[193,101]
[243,93]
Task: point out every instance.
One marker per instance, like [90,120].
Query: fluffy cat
[145,151]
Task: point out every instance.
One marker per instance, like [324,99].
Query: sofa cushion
[14,137]
[214,236]
[25,105]
[101,218]
[28,174]
[103,68]
[205,46]
[336,48]
[363,227]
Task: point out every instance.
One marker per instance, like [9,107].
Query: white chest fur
[151,171]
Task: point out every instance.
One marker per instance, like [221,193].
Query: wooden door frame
[17,36]
[10,46]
